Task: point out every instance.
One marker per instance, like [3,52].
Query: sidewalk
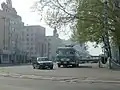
[8,65]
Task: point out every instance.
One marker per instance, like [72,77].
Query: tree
[57,13]
[85,17]
[91,26]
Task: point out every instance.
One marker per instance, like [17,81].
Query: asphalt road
[87,70]
[27,84]
[83,78]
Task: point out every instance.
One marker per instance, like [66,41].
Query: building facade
[52,43]
[11,27]
[33,38]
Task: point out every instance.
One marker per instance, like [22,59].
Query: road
[26,84]
[86,77]
[88,70]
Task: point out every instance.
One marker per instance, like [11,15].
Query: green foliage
[86,17]
[90,24]
[57,13]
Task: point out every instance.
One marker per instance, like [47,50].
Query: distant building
[52,43]
[33,38]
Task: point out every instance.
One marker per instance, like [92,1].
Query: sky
[33,18]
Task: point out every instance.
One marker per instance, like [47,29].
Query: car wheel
[34,66]
[59,65]
[51,67]
[77,65]
[65,66]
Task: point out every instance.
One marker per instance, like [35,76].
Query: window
[27,39]
[49,39]
[32,34]
[27,34]
[13,29]
[27,43]
[27,48]
[22,33]
[31,48]
[31,39]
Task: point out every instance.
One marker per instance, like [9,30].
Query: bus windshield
[66,52]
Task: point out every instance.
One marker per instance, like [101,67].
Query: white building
[11,26]
[52,43]
[33,38]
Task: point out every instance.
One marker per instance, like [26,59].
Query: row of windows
[32,52]
[31,48]
[29,34]
[13,22]
[30,44]
[28,39]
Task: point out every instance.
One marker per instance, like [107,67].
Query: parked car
[42,63]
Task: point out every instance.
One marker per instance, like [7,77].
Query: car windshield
[42,59]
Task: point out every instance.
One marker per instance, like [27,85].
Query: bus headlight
[62,59]
[72,62]
[68,59]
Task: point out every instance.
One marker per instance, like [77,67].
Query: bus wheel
[73,65]
[77,65]
[59,65]
[64,66]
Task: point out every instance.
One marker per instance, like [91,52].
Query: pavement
[86,77]
[8,65]
[27,84]
[84,71]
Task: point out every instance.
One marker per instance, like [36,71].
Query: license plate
[46,66]
[65,62]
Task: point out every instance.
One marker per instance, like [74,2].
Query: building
[33,38]
[11,27]
[52,43]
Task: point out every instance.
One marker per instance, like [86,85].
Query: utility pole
[48,50]
[105,35]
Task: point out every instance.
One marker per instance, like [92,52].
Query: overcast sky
[32,18]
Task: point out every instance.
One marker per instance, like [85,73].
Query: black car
[42,63]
